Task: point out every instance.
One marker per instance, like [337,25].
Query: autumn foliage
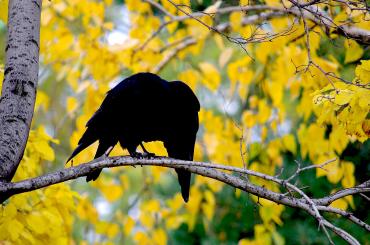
[266,103]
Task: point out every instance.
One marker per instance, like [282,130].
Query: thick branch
[310,205]
[202,168]
[20,83]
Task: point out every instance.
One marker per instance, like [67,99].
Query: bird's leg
[134,153]
[146,154]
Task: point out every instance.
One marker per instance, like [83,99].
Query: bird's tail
[184,177]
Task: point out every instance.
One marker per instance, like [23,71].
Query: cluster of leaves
[257,111]
[44,215]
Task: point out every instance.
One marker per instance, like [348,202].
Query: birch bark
[20,83]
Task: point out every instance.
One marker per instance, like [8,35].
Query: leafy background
[88,46]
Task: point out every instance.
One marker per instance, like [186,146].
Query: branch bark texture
[20,83]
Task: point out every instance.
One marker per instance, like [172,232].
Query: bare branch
[160,7]
[348,215]
[362,188]
[310,205]
[299,169]
[310,13]
[172,53]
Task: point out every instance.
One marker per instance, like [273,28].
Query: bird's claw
[148,155]
[145,155]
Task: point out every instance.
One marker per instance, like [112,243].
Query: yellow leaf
[112,230]
[277,238]
[4,11]
[72,104]
[112,192]
[86,211]
[40,141]
[244,2]
[147,220]
[349,200]
[42,100]
[264,133]
[236,20]
[173,222]
[348,177]
[209,206]
[141,238]
[193,206]
[338,139]
[364,101]
[171,27]
[343,97]
[253,102]
[340,18]
[106,228]
[190,77]
[335,172]
[36,223]
[340,203]
[289,143]
[128,226]
[353,51]
[264,111]
[271,212]
[151,206]
[366,127]
[263,50]
[15,228]
[175,203]
[159,237]
[363,71]
[261,234]
[248,119]
[1,75]
[211,76]
[276,90]
[274,3]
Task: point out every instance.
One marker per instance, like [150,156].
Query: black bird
[143,108]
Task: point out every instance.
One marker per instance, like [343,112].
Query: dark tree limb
[20,83]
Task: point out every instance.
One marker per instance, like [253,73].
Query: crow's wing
[124,109]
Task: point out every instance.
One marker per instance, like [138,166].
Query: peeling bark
[20,83]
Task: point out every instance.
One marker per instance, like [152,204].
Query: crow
[144,108]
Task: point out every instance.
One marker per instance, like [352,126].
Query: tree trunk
[20,83]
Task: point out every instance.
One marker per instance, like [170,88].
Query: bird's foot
[148,155]
[145,155]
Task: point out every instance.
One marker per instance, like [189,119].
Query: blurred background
[257,110]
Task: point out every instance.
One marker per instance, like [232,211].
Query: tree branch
[172,53]
[314,14]
[310,205]
[20,83]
